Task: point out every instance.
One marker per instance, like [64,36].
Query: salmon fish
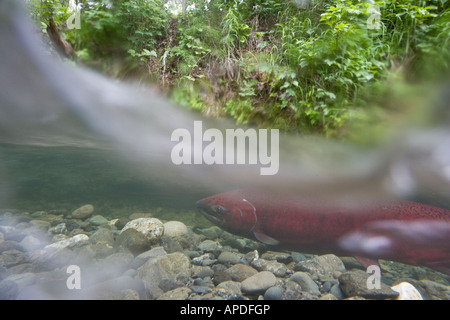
[402,231]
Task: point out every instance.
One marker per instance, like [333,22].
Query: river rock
[407,291]
[239,272]
[258,283]
[102,289]
[220,276]
[337,292]
[168,284]
[306,283]
[9,245]
[206,259]
[52,258]
[31,243]
[433,290]
[58,229]
[83,212]
[273,293]
[151,228]
[38,226]
[209,246]
[103,236]
[102,249]
[211,233]
[11,258]
[79,239]
[181,293]
[121,222]
[175,229]
[52,219]
[328,297]
[114,266]
[355,284]
[277,268]
[293,291]
[169,266]
[228,257]
[133,240]
[202,272]
[282,257]
[325,266]
[231,287]
[144,256]
[97,220]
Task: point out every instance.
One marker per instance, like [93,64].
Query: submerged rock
[83,212]
[70,242]
[151,228]
[407,291]
[239,272]
[98,220]
[58,229]
[305,282]
[228,257]
[209,246]
[144,256]
[175,229]
[355,284]
[433,290]
[133,240]
[277,268]
[161,267]
[258,283]
[181,293]
[11,258]
[273,293]
[32,242]
[321,266]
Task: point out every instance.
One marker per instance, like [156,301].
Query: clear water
[36,178]
[134,173]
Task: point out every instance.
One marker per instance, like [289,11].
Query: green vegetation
[302,66]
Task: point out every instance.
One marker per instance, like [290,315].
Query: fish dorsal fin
[264,238]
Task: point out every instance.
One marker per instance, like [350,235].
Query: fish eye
[220,209]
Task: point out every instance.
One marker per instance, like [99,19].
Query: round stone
[175,228]
[259,283]
[151,228]
[83,212]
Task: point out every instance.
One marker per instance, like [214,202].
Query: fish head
[230,212]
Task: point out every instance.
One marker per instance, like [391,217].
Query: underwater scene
[134,238]
[250,151]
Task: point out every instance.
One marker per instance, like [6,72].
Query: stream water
[69,136]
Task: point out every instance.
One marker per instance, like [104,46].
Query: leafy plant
[268,62]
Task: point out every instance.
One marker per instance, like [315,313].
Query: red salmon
[402,231]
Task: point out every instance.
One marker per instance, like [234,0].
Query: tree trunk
[61,45]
